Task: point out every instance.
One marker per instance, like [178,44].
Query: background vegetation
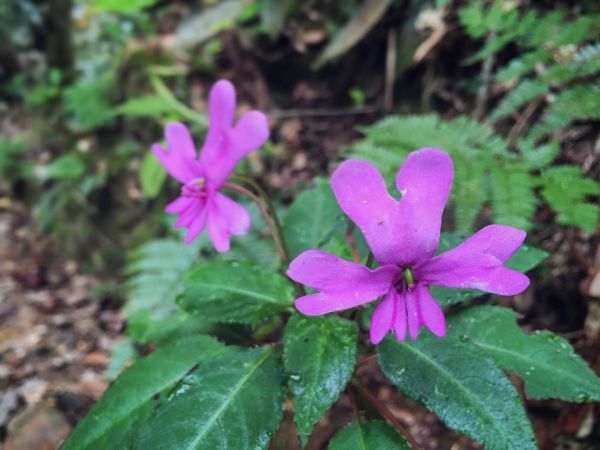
[511,89]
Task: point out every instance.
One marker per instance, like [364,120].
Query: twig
[261,192]
[519,125]
[370,260]
[486,75]
[388,415]
[265,215]
[322,112]
[352,244]
[367,360]
[390,70]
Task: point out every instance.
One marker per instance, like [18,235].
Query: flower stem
[370,260]
[387,415]
[352,244]
[262,193]
[265,215]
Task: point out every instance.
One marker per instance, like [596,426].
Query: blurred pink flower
[404,236]
[200,204]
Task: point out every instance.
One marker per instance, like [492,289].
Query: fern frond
[581,102]
[525,92]
[513,198]
[156,271]
[523,65]
[537,157]
[470,192]
[566,190]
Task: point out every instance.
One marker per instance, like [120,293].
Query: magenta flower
[200,203]
[404,236]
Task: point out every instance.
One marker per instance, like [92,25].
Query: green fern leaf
[525,92]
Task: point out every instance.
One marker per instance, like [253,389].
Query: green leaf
[232,291]
[145,106]
[233,401]
[120,6]
[464,388]
[66,167]
[526,258]
[112,421]
[546,362]
[371,11]
[319,357]
[207,22]
[311,219]
[369,435]
[152,175]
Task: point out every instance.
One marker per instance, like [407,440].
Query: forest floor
[55,339]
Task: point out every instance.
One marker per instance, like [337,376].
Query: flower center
[195,188]
[406,282]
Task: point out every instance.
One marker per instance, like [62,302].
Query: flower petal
[226,218]
[477,263]
[400,320]
[196,226]
[343,284]
[187,216]
[226,145]
[180,141]
[382,320]
[424,180]
[430,312]
[178,205]
[221,105]
[412,313]
[361,193]
[183,170]
[251,131]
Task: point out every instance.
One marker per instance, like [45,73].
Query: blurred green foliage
[83,133]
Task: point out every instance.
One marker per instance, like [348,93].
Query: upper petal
[425,180]
[251,131]
[180,168]
[179,140]
[362,194]
[226,145]
[478,263]
[343,284]
[221,104]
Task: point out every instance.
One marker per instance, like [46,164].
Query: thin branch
[388,415]
[265,215]
[262,193]
[322,112]
[486,77]
[370,260]
[352,244]
[520,124]
[390,70]
[366,360]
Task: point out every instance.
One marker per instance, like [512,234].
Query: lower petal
[196,226]
[235,215]
[178,205]
[430,312]
[226,218]
[400,321]
[412,313]
[382,320]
